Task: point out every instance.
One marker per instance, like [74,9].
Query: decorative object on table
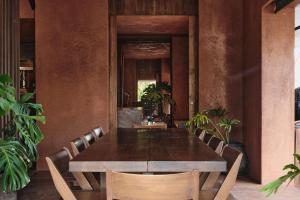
[293,171]
[156,100]
[18,148]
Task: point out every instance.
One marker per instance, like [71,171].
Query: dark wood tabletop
[148,150]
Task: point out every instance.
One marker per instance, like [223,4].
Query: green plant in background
[18,148]
[154,96]
[214,121]
[292,172]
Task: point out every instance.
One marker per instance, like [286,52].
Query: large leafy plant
[214,121]
[155,95]
[18,148]
[292,172]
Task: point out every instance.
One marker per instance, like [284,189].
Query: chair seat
[90,195]
[207,195]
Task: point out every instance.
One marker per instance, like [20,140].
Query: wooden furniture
[159,187]
[233,158]
[216,144]
[98,131]
[89,138]
[148,150]
[207,138]
[159,125]
[207,180]
[58,164]
[79,146]
[202,135]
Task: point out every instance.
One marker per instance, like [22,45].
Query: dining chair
[58,164]
[233,159]
[79,146]
[216,144]
[146,187]
[207,137]
[209,178]
[202,135]
[89,138]
[98,131]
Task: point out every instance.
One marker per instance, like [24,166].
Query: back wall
[71,69]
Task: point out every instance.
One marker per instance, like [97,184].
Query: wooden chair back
[181,186]
[58,163]
[233,158]
[98,132]
[202,135]
[79,176]
[216,144]
[77,146]
[207,138]
[89,139]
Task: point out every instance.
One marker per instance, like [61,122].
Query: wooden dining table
[148,150]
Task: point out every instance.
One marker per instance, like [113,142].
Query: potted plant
[155,97]
[215,122]
[18,147]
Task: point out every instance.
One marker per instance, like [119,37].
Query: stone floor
[41,187]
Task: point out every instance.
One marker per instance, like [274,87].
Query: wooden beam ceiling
[146,50]
[149,25]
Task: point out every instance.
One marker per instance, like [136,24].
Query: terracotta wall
[25,9]
[180,77]
[252,86]
[278,98]
[130,79]
[268,89]
[165,71]
[72,69]
[221,57]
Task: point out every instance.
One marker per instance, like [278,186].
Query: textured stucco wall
[180,76]
[252,86]
[221,57]
[268,89]
[25,9]
[72,73]
[278,39]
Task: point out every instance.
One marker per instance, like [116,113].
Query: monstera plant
[214,121]
[292,171]
[18,147]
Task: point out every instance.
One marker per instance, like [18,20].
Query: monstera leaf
[292,173]
[13,165]
[22,135]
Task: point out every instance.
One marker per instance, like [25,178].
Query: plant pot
[8,196]
[244,164]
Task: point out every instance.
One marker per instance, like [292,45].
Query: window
[142,85]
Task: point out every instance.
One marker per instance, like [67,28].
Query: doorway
[153,50]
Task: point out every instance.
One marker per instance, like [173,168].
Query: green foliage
[214,121]
[292,173]
[13,164]
[22,134]
[155,95]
